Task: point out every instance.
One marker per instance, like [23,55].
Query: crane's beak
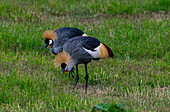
[63,71]
[46,46]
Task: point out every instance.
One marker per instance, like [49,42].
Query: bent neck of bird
[71,65]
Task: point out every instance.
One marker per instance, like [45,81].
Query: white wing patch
[94,54]
[85,35]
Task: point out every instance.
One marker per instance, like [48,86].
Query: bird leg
[71,72]
[86,77]
[77,78]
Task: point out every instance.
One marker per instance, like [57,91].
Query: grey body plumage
[75,48]
[64,34]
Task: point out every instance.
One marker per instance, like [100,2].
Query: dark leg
[71,72]
[77,78]
[69,75]
[86,77]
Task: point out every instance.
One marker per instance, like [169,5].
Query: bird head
[48,42]
[63,60]
[63,67]
[49,36]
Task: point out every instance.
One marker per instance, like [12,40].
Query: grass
[138,75]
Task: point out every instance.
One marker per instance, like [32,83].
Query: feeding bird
[81,50]
[57,38]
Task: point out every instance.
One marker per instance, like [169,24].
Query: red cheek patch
[51,46]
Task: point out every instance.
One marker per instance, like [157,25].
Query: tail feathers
[109,51]
[49,34]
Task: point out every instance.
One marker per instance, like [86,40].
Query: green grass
[137,77]
[30,10]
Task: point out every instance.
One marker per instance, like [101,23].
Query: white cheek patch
[50,42]
[94,54]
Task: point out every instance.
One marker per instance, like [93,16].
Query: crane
[57,38]
[81,50]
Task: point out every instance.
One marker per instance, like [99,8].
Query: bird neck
[71,65]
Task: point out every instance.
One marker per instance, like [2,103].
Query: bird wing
[91,43]
[92,46]
[64,34]
[69,32]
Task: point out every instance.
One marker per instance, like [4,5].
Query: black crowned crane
[57,38]
[81,50]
